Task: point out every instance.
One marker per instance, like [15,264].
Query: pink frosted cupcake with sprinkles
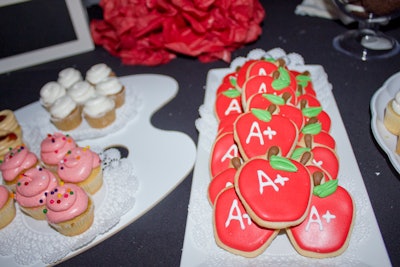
[69,210]
[32,188]
[53,149]
[15,162]
[82,166]
[7,206]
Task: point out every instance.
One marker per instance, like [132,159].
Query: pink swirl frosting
[54,147]
[66,202]
[4,195]
[78,164]
[16,161]
[34,186]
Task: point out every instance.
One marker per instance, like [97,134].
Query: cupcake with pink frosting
[53,149]
[7,206]
[15,162]
[69,209]
[32,188]
[82,166]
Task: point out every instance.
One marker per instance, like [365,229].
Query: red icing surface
[256,85]
[325,233]
[274,195]
[224,149]
[226,106]
[233,227]
[220,182]
[279,131]
[326,158]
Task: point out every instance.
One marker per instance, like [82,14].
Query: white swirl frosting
[69,76]
[98,106]
[81,92]
[62,107]
[109,86]
[97,73]
[50,92]
[396,103]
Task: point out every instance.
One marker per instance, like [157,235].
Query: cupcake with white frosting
[391,119]
[98,73]
[65,114]
[81,92]
[68,77]
[112,87]
[50,92]
[99,111]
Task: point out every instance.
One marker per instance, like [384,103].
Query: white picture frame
[82,43]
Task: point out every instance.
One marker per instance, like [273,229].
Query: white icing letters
[255,131]
[262,88]
[315,218]
[269,132]
[230,153]
[262,72]
[265,180]
[235,214]
[234,106]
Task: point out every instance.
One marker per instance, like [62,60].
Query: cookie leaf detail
[299,151]
[277,100]
[262,114]
[231,93]
[281,163]
[313,128]
[303,80]
[311,112]
[326,189]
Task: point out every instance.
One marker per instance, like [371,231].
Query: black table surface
[156,238]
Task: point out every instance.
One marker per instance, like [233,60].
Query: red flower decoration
[152,32]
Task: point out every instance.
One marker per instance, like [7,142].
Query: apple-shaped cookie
[256,131]
[222,180]
[234,230]
[315,114]
[327,228]
[223,151]
[276,193]
[228,82]
[228,103]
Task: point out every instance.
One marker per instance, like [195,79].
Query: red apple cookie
[234,230]
[276,193]
[327,228]
[257,131]
[228,103]
[223,151]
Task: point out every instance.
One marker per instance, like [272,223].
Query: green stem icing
[262,114]
[231,93]
[275,99]
[313,128]
[281,163]
[326,189]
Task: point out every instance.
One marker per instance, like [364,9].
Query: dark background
[156,239]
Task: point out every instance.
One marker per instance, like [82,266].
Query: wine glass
[366,42]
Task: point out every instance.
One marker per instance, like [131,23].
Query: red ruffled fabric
[153,32]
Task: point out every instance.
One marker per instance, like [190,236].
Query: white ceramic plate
[366,246]
[147,145]
[379,100]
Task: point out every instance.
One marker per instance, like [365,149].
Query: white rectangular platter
[366,246]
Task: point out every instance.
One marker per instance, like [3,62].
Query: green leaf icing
[275,99]
[298,152]
[325,189]
[281,163]
[283,81]
[303,80]
[279,84]
[262,114]
[270,59]
[313,128]
[233,81]
[311,112]
[231,93]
